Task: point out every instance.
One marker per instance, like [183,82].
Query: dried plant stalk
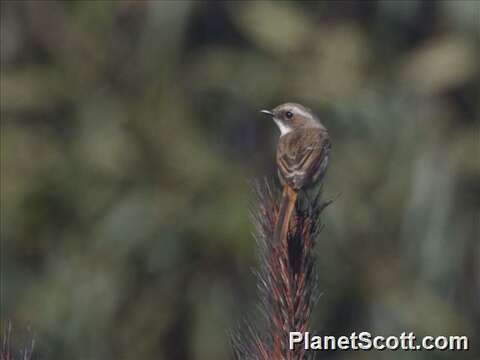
[286,280]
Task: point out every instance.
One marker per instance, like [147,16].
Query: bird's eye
[289,114]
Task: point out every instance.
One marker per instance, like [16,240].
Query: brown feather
[287,205]
[302,157]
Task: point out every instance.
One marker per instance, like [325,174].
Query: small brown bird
[302,156]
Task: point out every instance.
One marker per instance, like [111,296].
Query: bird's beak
[267,112]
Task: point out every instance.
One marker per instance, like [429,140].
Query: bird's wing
[302,156]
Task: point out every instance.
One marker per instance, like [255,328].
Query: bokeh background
[130,130]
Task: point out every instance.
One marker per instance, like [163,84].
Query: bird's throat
[284,129]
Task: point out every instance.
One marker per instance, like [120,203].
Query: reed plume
[286,278]
[6,352]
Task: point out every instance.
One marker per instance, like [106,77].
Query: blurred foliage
[130,129]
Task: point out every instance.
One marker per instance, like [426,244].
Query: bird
[302,157]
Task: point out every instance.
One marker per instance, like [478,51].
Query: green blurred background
[129,131]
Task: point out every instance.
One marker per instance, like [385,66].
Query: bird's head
[292,116]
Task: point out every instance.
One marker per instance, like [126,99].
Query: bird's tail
[289,198]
